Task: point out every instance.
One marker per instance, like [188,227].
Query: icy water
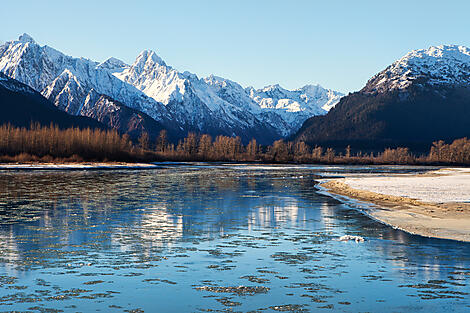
[198,238]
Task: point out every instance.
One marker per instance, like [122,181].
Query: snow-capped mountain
[283,109]
[66,81]
[295,106]
[192,102]
[437,65]
[420,98]
[187,95]
[178,100]
[235,94]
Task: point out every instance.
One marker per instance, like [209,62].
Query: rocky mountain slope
[20,106]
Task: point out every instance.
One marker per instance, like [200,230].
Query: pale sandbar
[435,204]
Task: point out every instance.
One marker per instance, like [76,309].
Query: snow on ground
[447,185]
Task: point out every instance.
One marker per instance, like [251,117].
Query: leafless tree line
[51,142]
[223,148]
[39,143]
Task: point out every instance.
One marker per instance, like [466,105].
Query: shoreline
[75,166]
[413,208]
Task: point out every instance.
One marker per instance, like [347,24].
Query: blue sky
[336,43]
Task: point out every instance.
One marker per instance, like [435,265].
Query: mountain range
[150,95]
[420,98]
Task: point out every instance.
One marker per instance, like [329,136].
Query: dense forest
[52,144]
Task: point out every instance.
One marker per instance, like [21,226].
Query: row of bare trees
[94,144]
[456,152]
[86,144]
[203,148]
[222,148]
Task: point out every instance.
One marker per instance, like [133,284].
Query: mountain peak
[214,80]
[113,60]
[436,65]
[150,56]
[438,53]
[26,38]
[112,64]
[449,49]
[270,88]
[311,88]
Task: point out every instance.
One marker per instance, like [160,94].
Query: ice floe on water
[351,238]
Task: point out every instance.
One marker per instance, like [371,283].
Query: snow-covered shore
[434,204]
[447,185]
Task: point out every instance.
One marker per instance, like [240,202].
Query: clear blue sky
[337,43]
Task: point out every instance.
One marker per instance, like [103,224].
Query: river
[212,238]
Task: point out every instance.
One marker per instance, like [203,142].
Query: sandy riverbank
[434,204]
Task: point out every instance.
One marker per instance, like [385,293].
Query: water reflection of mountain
[98,211]
[60,209]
